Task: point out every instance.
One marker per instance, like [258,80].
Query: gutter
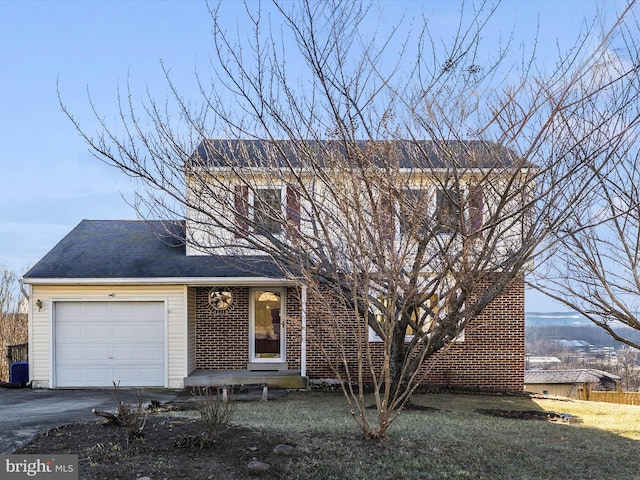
[24,292]
[208,281]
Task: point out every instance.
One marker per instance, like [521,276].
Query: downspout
[303,333]
[24,292]
[29,328]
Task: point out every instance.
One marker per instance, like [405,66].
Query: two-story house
[194,301]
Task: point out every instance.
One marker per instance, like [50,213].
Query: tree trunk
[397,363]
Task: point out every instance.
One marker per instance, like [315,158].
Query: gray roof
[408,154]
[109,249]
[567,376]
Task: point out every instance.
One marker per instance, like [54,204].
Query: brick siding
[222,336]
[491,356]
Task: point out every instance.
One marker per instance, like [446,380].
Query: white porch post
[303,335]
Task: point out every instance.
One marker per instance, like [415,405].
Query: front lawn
[455,441]
[445,438]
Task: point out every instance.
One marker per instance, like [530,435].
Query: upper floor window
[447,215]
[267,211]
[413,210]
[448,210]
[451,210]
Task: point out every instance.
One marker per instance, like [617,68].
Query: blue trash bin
[19,373]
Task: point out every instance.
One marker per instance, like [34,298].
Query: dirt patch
[421,408]
[410,406]
[530,415]
[166,451]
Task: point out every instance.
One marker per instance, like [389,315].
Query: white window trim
[375,338]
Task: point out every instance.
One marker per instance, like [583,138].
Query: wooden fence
[625,398]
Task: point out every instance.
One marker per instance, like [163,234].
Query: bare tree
[594,267]
[410,193]
[594,270]
[628,370]
[13,322]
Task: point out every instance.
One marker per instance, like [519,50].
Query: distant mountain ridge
[541,319]
[555,326]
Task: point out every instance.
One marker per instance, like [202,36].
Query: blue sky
[49,180]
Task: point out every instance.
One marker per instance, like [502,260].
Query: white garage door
[98,343]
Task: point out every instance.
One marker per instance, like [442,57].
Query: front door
[267,335]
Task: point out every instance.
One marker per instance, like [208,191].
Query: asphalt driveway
[24,411]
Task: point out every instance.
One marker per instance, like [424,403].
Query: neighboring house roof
[567,376]
[574,343]
[430,154]
[120,249]
[538,360]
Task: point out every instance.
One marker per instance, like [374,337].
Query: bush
[132,418]
[215,412]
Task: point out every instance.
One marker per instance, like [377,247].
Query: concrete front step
[279,379]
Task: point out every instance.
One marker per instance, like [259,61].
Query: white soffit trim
[254,281]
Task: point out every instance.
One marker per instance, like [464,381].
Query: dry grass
[455,441]
[446,439]
[623,420]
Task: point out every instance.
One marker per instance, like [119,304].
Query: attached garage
[97,343]
[112,302]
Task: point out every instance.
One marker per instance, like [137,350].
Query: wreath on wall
[220,298]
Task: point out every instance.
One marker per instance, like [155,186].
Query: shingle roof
[567,376]
[409,154]
[110,249]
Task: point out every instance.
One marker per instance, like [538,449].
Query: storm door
[267,335]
